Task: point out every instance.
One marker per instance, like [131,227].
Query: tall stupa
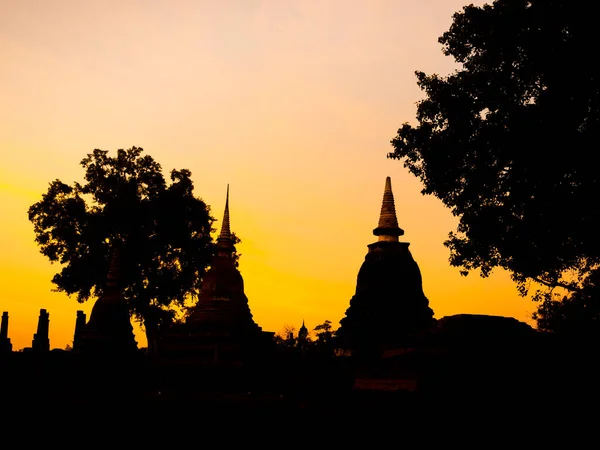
[389,305]
[222,303]
[220,329]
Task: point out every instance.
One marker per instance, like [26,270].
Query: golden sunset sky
[291,103]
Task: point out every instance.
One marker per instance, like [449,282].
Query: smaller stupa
[303,333]
[389,305]
[109,330]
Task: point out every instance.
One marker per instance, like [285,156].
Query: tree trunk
[151,328]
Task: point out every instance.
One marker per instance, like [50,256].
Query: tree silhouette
[323,332]
[573,316]
[162,229]
[508,143]
[286,336]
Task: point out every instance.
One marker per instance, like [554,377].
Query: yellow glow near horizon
[291,103]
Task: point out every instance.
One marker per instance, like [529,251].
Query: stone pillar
[5,345]
[41,343]
[79,327]
[4,326]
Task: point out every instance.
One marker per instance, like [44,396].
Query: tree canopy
[508,141]
[324,332]
[162,229]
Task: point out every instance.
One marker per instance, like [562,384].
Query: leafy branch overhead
[508,142]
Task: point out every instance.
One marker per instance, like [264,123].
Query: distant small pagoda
[389,305]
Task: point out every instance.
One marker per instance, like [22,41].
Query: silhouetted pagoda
[109,330]
[220,330]
[389,305]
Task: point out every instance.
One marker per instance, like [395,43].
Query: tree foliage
[324,327]
[324,332]
[509,140]
[576,315]
[162,228]
[286,336]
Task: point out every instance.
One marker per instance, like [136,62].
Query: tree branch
[557,284]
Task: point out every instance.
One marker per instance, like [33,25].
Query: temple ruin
[220,329]
[109,330]
[389,305]
[5,344]
[41,341]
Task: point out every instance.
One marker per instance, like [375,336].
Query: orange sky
[291,103]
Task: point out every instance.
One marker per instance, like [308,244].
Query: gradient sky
[293,103]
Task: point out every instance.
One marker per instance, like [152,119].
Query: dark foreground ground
[408,400]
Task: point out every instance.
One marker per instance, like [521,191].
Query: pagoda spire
[225,229]
[388,229]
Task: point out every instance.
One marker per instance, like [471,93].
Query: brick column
[40,339]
